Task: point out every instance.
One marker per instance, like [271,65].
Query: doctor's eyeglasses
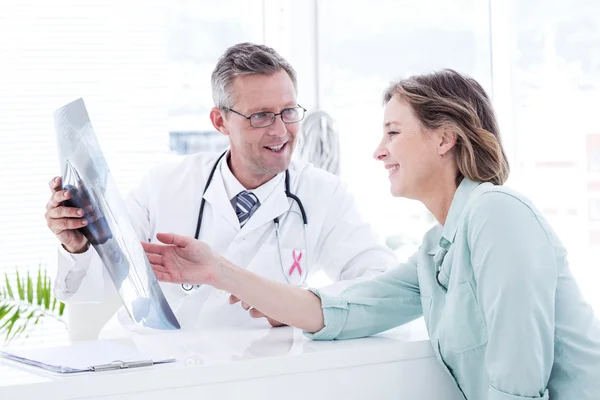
[265,118]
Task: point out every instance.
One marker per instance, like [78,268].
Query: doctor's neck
[246,176]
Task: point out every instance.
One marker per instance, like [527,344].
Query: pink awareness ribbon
[296,264]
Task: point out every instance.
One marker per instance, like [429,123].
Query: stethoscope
[188,287]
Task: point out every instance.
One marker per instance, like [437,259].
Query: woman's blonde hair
[455,101]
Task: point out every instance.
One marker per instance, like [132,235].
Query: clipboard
[93,356]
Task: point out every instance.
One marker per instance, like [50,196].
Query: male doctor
[238,202]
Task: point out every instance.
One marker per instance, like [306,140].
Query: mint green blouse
[505,316]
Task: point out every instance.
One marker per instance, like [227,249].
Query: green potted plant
[24,302]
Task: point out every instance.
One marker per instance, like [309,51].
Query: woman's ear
[447,140]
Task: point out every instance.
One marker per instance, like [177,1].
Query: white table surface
[253,363]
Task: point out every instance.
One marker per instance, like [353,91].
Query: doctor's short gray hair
[245,59]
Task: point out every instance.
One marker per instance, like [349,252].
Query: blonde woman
[503,311]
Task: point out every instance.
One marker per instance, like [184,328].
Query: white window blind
[142,68]
[111,53]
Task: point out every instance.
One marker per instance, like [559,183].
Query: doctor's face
[408,151]
[261,152]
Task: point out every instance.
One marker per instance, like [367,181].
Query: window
[539,61]
[143,69]
[360,54]
[549,93]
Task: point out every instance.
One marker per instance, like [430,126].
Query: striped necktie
[245,205]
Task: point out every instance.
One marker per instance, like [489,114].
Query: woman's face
[410,153]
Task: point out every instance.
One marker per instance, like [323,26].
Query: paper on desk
[80,357]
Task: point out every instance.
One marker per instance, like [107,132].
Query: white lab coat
[168,199]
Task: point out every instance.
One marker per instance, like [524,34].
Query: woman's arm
[187,260]
[366,308]
[284,303]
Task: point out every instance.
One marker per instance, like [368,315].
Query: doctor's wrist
[78,250]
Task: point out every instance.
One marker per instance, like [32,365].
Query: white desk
[271,364]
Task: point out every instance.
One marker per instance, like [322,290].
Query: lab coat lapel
[216,196]
[276,204]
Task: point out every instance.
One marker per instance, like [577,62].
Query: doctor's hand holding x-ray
[282,219]
[503,311]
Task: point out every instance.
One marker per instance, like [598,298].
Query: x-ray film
[86,175]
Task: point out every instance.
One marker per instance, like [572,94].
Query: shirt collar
[233,186]
[460,200]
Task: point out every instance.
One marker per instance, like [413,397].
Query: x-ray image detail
[85,174]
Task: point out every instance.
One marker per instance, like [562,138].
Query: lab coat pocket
[463,326]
